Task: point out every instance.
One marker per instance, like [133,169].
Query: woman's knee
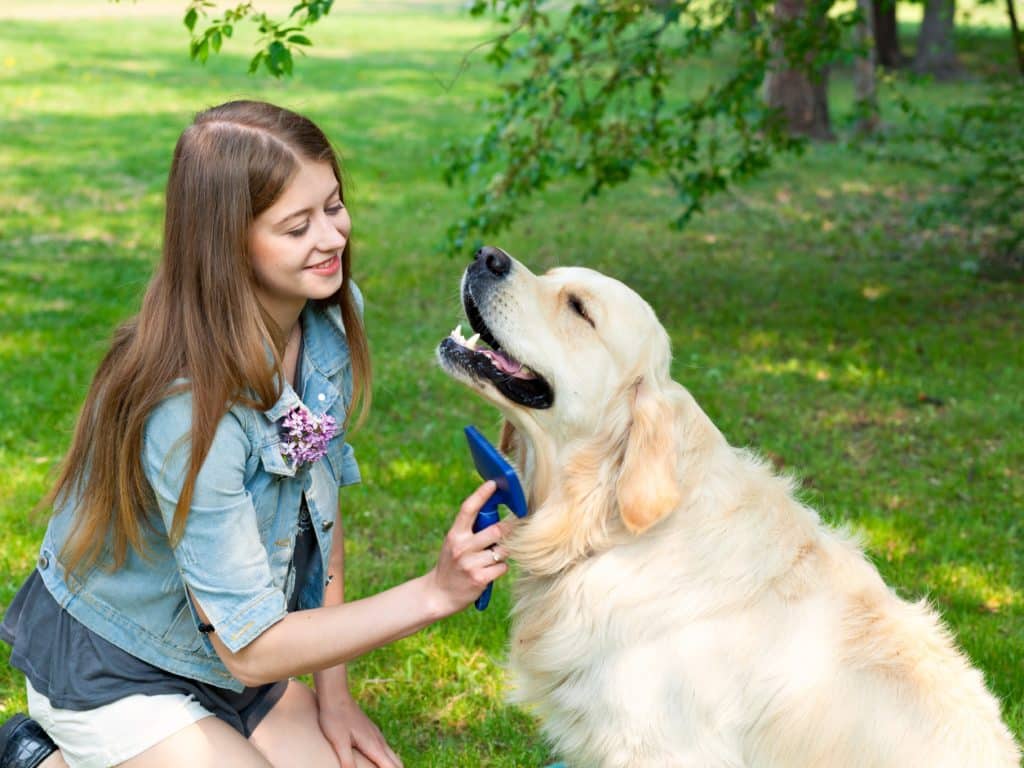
[292,727]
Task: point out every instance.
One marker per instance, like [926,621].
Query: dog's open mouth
[512,378]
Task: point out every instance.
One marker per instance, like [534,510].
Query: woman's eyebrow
[304,211]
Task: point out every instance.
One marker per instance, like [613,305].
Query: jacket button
[326,526]
[44,561]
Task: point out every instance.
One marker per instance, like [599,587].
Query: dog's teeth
[457,334]
[472,340]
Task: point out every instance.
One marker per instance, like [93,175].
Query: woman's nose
[331,238]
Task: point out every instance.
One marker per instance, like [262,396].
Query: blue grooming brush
[492,466]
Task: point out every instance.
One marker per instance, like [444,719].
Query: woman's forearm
[321,638]
[331,684]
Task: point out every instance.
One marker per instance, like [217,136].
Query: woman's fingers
[470,561]
[472,504]
[490,535]
[494,555]
[380,755]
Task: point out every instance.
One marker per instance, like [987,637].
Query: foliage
[605,91]
[600,89]
[980,145]
[278,39]
[985,141]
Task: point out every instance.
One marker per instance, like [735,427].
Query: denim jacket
[235,554]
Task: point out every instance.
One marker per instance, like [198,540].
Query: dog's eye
[579,309]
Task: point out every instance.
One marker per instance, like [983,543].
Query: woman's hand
[352,733]
[469,561]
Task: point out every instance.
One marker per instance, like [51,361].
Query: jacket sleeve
[221,557]
[349,474]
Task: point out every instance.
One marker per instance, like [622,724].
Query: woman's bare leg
[207,743]
[292,727]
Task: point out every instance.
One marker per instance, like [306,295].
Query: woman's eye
[335,209]
[299,232]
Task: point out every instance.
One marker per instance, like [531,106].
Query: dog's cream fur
[676,604]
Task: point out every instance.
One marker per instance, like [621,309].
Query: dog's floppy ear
[516,449]
[508,444]
[648,484]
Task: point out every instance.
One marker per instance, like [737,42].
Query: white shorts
[109,735]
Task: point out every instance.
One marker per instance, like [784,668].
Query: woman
[193,563]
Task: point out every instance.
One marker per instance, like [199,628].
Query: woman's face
[296,244]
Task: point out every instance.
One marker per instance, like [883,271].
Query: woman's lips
[327,266]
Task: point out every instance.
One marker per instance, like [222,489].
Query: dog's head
[579,363]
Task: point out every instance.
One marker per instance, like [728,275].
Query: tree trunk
[936,50]
[1018,44]
[746,15]
[887,34]
[864,84]
[799,89]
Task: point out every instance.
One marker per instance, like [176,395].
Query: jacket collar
[324,352]
[324,341]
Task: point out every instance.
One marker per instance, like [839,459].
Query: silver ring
[495,555]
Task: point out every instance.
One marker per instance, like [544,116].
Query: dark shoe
[24,743]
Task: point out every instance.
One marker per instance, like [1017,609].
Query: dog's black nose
[496,260]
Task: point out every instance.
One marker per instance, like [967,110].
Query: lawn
[810,315]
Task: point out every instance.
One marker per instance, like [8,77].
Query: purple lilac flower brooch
[306,435]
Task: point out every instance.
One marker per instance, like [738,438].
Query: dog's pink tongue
[508,365]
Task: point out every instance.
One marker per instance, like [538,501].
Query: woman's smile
[327,267]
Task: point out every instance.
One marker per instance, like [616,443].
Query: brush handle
[485,518]
[493,466]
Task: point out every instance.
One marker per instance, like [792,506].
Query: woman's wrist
[331,684]
[329,703]
[437,601]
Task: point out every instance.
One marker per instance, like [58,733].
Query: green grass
[810,317]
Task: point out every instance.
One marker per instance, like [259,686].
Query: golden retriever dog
[676,605]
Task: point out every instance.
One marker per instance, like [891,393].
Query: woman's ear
[648,485]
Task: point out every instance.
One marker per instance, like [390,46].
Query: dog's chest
[603,691]
[616,641]
[666,661]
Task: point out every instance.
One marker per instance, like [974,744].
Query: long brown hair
[199,319]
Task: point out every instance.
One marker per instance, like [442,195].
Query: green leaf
[279,59]
[254,65]
[190,18]
[300,40]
